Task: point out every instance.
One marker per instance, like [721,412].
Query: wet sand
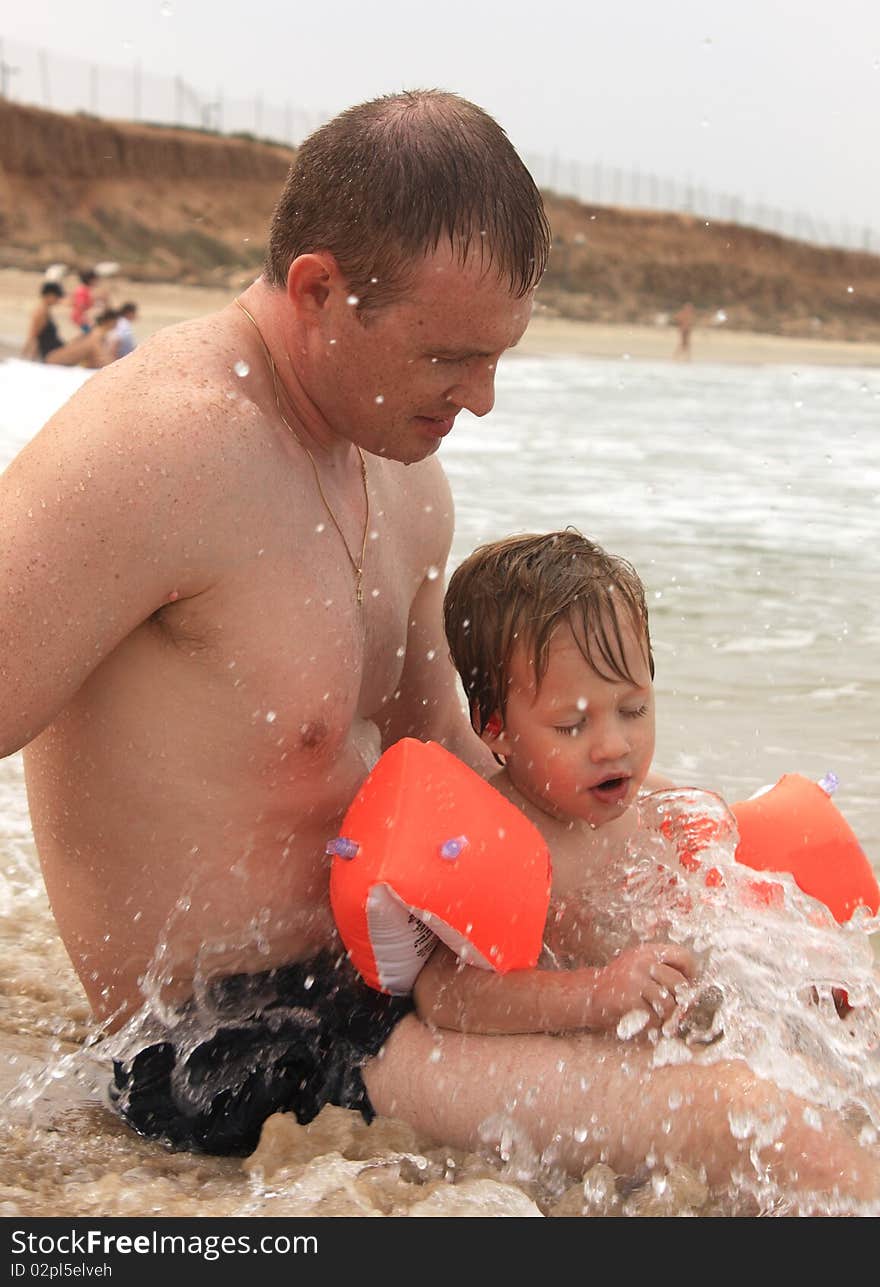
[163,303]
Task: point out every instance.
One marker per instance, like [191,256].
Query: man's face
[580,745]
[394,380]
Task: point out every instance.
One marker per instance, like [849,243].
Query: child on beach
[550,637]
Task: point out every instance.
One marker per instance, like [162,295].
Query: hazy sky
[773,100]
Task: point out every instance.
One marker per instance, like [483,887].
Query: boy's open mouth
[611,789]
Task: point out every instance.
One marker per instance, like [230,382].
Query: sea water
[747,498]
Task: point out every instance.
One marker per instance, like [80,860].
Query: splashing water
[782,984]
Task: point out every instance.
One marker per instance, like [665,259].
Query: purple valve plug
[829,782]
[342,847]
[450,849]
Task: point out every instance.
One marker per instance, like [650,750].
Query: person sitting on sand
[93,349]
[122,339]
[43,337]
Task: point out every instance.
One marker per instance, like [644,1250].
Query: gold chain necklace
[358,567]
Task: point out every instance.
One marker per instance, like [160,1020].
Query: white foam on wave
[30,393]
[782,641]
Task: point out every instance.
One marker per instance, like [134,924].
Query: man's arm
[101,517]
[30,349]
[467,999]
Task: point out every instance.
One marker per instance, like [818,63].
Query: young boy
[550,637]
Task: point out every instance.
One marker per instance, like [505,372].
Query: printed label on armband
[423,937]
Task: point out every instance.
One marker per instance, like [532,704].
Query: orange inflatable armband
[795,827]
[429,850]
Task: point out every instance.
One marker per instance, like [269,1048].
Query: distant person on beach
[83,301]
[684,320]
[43,336]
[240,529]
[123,339]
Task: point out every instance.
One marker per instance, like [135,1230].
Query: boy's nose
[609,743]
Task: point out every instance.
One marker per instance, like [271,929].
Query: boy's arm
[448,994]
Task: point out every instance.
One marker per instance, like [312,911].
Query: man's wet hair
[52,288]
[108,315]
[518,591]
[384,183]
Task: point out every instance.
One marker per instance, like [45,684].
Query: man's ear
[310,280]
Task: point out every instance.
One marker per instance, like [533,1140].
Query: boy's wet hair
[384,183]
[518,591]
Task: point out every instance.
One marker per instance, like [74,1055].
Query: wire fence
[64,84]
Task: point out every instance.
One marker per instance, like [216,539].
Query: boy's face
[580,746]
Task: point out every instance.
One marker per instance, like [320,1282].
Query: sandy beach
[163,303]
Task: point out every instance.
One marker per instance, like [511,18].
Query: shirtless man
[222,565]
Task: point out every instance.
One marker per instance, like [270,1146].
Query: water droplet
[850,290]
[720,316]
[379,399]
[374,594]
[241,368]
[632,1023]
[433,573]
[354,300]
[271,717]
[320,527]
[582,703]
[332,341]
[401,652]
[431,654]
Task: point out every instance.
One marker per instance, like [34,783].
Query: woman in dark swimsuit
[43,337]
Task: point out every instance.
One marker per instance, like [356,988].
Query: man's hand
[644,978]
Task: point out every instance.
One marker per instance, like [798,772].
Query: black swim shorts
[287,1040]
